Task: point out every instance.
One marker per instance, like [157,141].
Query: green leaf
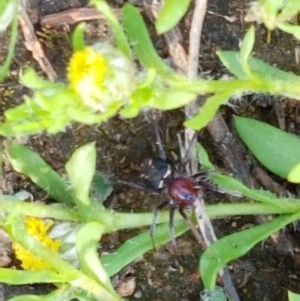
[170,15]
[287,10]
[18,277]
[204,161]
[208,110]
[169,99]
[137,246]
[294,174]
[231,60]
[63,293]
[86,245]
[120,37]
[11,47]
[139,38]
[8,10]
[32,80]
[246,49]
[217,294]
[275,149]
[293,296]
[32,165]
[78,37]
[236,245]
[101,187]
[230,184]
[81,169]
[290,28]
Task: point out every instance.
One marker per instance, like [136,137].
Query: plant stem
[114,221]
[118,221]
[260,84]
[55,211]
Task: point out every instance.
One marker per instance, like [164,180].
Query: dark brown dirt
[265,273]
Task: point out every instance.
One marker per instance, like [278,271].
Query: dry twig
[72,16]
[32,44]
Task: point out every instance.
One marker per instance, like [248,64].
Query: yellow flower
[102,76]
[39,229]
[86,66]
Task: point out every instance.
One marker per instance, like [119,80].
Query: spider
[159,174]
[184,192]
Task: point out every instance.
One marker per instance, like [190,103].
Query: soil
[268,270]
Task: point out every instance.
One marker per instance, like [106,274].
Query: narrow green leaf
[246,49]
[8,11]
[230,184]
[34,298]
[137,246]
[18,277]
[78,37]
[275,149]
[208,110]
[120,37]
[236,245]
[32,80]
[63,293]
[290,28]
[170,15]
[231,60]
[139,38]
[87,242]
[81,169]
[204,161]
[32,165]
[11,47]
[293,296]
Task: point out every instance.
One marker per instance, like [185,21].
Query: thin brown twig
[205,225]
[195,38]
[33,45]
[73,16]
[192,73]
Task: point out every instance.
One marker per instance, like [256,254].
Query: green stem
[114,221]
[117,221]
[92,287]
[260,84]
[55,211]
[11,48]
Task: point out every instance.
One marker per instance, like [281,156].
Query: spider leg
[192,227]
[161,150]
[171,226]
[154,222]
[201,179]
[138,186]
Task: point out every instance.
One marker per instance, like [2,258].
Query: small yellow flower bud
[102,76]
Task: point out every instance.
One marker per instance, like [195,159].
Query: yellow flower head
[101,75]
[86,67]
[39,229]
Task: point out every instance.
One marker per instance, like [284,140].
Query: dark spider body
[182,192]
[158,174]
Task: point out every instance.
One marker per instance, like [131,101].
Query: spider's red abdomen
[182,192]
